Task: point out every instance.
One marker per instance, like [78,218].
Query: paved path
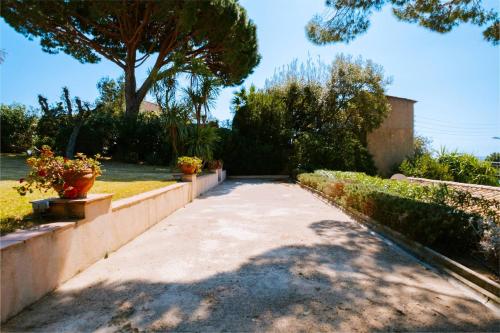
[255,256]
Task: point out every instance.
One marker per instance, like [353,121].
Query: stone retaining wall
[35,262]
[487,192]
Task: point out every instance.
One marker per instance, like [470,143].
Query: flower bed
[437,216]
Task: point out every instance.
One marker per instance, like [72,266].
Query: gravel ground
[257,256]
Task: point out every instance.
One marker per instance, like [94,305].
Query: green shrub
[444,219]
[493,157]
[425,166]
[467,168]
[202,141]
[142,139]
[99,134]
[300,123]
[17,128]
[452,166]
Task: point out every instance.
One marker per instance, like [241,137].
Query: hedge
[447,220]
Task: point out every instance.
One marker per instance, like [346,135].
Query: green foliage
[201,141]
[451,166]
[305,122]
[201,95]
[174,115]
[421,146]
[493,157]
[143,139]
[437,216]
[100,133]
[345,19]
[259,141]
[178,33]
[467,168]
[53,127]
[17,128]
[425,166]
[151,137]
[72,125]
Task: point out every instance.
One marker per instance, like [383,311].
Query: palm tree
[174,114]
[201,95]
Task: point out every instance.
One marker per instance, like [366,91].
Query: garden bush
[447,220]
[142,139]
[467,168]
[99,134]
[304,121]
[17,128]
[451,166]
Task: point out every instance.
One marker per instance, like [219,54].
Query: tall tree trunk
[134,97]
[173,138]
[198,115]
[131,101]
[70,147]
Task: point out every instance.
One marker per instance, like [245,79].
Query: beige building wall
[393,140]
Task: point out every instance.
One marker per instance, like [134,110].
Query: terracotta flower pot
[188,169]
[214,165]
[77,185]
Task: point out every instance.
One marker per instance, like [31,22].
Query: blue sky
[454,77]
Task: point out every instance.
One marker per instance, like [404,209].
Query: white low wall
[206,182]
[35,262]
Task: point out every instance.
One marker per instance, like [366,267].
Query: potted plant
[71,179]
[189,165]
[214,165]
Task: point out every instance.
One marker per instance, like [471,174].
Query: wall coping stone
[426,180]
[89,199]
[22,236]
[79,208]
[138,198]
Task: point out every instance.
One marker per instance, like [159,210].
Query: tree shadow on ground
[330,286]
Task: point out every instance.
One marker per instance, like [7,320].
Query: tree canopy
[178,33]
[344,20]
[304,120]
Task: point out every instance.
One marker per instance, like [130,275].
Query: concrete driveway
[257,256]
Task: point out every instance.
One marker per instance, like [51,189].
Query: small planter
[188,169]
[213,166]
[189,165]
[77,185]
[70,178]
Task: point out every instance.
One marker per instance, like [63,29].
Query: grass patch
[122,179]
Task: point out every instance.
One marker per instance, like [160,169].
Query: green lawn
[124,180]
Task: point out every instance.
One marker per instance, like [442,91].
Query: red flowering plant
[59,173]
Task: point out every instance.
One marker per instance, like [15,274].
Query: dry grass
[124,180]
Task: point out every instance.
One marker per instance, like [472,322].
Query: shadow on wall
[322,287]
